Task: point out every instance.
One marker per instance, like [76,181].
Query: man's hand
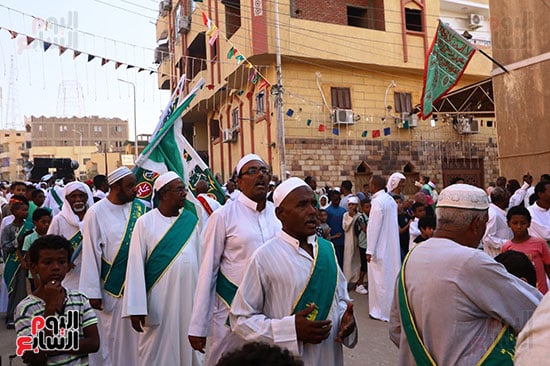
[137,322]
[311,331]
[54,297]
[369,258]
[197,343]
[347,324]
[96,304]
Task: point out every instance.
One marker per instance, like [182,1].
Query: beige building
[521,44]
[84,139]
[352,75]
[14,153]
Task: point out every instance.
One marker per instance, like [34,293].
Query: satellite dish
[27,166]
[74,165]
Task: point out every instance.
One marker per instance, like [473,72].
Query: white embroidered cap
[353,199]
[285,188]
[164,179]
[463,196]
[245,159]
[118,174]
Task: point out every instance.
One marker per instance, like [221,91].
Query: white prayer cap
[245,159]
[118,174]
[164,179]
[353,199]
[46,178]
[285,188]
[463,196]
[394,180]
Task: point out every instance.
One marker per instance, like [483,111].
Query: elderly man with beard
[163,268]
[293,293]
[77,198]
[232,234]
[108,227]
[453,304]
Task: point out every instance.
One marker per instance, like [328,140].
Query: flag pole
[492,59]
[478,49]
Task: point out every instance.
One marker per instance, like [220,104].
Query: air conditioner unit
[184,25]
[164,7]
[229,135]
[468,126]
[343,116]
[413,122]
[476,21]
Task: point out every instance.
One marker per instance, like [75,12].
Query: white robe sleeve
[490,238]
[374,229]
[205,293]
[90,281]
[134,301]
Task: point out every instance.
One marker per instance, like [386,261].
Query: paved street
[374,347]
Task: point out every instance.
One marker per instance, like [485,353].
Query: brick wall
[330,162]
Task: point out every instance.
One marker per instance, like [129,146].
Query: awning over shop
[475,100]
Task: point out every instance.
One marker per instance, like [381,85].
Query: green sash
[25,230]
[114,274]
[501,351]
[171,244]
[11,267]
[226,289]
[76,243]
[321,286]
[57,199]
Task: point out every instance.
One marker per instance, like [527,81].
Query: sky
[34,82]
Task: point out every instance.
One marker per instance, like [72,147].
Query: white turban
[394,180]
[247,158]
[463,196]
[285,188]
[164,179]
[118,174]
[66,209]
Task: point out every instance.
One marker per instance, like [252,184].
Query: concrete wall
[520,31]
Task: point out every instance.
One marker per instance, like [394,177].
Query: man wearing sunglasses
[232,234]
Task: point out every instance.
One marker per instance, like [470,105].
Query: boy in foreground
[50,258]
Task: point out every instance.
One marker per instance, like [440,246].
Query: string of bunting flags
[213,33]
[76,53]
[324,127]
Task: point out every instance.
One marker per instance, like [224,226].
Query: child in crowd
[427,227]
[352,263]
[41,219]
[50,258]
[404,221]
[323,230]
[419,211]
[360,229]
[536,249]
[14,263]
[519,265]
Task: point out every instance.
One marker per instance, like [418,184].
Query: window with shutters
[340,98]
[403,102]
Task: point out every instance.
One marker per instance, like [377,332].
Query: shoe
[10,325]
[361,290]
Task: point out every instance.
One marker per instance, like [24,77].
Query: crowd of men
[191,281]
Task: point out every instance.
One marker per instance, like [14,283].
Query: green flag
[445,64]
[168,150]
